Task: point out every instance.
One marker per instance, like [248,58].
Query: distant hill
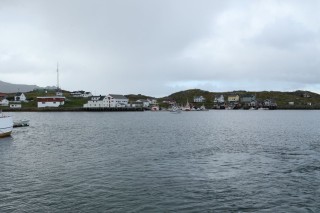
[12,88]
[281,98]
[133,97]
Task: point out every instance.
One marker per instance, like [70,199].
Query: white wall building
[96,102]
[219,99]
[20,97]
[198,99]
[81,93]
[4,102]
[145,103]
[15,106]
[152,101]
[50,101]
[110,100]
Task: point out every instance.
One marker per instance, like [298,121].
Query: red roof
[51,99]
[2,94]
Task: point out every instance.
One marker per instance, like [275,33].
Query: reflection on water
[156,162]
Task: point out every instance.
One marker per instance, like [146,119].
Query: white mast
[58,86]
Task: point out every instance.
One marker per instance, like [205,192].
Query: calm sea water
[215,161]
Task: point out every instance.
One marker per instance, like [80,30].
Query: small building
[77,94]
[110,100]
[81,94]
[114,100]
[3,95]
[96,102]
[50,101]
[169,101]
[218,99]
[269,103]
[306,95]
[136,104]
[87,95]
[15,106]
[233,98]
[152,101]
[4,102]
[144,103]
[59,93]
[20,97]
[155,108]
[291,103]
[199,99]
[248,98]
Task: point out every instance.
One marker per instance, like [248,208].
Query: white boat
[187,107]
[175,109]
[6,125]
[20,123]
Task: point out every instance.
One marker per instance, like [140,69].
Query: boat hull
[6,125]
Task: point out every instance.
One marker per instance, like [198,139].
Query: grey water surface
[213,161]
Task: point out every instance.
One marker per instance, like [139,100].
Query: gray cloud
[158,47]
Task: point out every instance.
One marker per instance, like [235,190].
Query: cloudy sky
[157,47]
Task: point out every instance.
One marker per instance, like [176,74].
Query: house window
[43,102]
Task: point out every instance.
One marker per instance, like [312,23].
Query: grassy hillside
[32,98]
[281,98]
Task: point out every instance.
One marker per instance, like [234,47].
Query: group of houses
[19,97]
[117,101]
[235,101]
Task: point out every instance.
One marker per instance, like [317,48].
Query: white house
[81,93]
[152,101]
[96,102]
[87,95]
[15,106]
[107,101]
[136,104]
[4,102]
[291,103]
[219,99]
[144,103]
[117,100]
[50,101]
[76,94]
[20,97]
[198,99]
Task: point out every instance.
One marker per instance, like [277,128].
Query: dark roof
[100,98]
[18,93]
[118,96]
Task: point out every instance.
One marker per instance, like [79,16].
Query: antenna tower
[58,86]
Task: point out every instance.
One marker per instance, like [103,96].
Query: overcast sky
[160,47]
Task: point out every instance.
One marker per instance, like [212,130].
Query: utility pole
[58,86]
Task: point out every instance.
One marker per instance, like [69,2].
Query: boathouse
[50,101]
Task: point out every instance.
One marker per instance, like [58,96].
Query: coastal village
[56,99]
[84,100]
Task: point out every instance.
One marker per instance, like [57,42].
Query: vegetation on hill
[281,98]
[301,99]
[133,97]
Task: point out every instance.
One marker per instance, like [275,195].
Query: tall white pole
[58,86]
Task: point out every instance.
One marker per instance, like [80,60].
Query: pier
[76,109]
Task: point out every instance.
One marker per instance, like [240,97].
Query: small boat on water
[187,107]
[175,109]
[6,125]
[21,123]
